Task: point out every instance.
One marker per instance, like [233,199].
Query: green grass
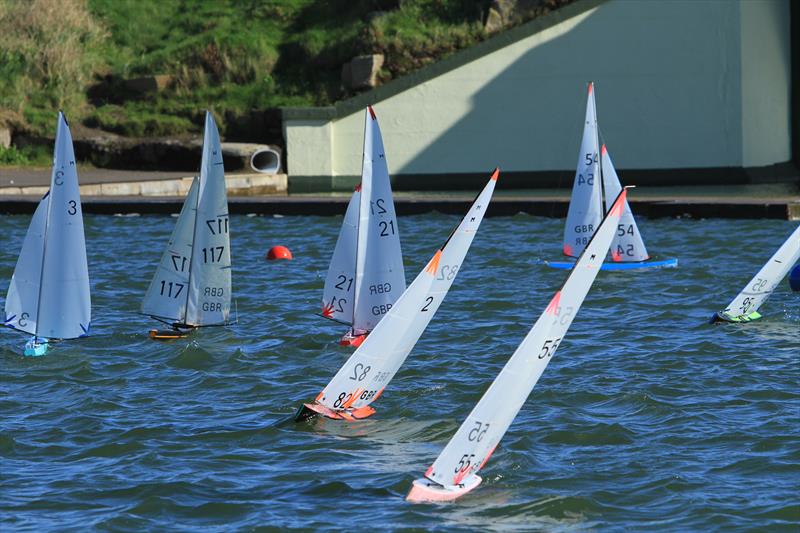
[231,56]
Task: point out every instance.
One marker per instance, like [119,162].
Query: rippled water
[647,418]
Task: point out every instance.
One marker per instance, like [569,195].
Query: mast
[44,258]
[358,229]
[599,159]
[194,238]
[47,221]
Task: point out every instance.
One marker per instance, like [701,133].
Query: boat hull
[724,317]
[35,347]
[348,339]
[426,491]
[637,265]
[168,334]
[311,410]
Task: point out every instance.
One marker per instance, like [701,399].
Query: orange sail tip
[433,265]
[496,174]
[461,475]
[327,311]
[616,210]
[591,87]
[372,112]
[429,471]
[319,396]
[603,149]
[488,455]
[552,307]
[567,249]
[358,187]
[615,255]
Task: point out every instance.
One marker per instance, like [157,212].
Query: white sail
[22,301]
[745,306]
[380,277]
[337,295]
[585,209]
[166,296]
[476,439]
[627,244]
[209,297]
[57,304]
[365,374]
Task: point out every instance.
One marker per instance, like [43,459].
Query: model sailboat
[595,187]
[744,308]
[49,292]
[192,284]
[454,472]
[366,373]
[366,274]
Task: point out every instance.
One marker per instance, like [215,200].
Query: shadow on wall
[668,91]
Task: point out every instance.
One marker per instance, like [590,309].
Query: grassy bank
[231,56]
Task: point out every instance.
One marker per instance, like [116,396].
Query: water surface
[647,418]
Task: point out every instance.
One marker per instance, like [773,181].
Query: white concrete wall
[679,83]
[766,83]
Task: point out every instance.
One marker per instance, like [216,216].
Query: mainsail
[363,293]
[585,208]
[744,308]
[192,284]
[366,373]
[49,292]
[453,473]
[627,244]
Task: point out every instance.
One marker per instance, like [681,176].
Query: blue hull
[664,263]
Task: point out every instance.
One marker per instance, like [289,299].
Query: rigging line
[44,237]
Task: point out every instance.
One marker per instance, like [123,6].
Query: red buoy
[279,252]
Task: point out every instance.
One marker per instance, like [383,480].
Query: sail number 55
[549,348]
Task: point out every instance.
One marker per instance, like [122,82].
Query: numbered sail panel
[338,295]
[585,208]
[380,275]
[476,439]
[756,292]
[627,245]
[168,292]
[209,298]
[64,308]
[22,300]
[364,376]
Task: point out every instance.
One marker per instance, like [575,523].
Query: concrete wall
[679,84]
